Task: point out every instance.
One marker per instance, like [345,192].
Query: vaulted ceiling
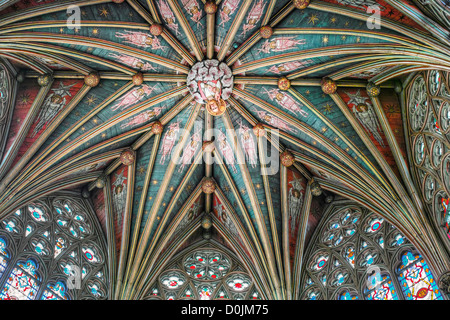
[98,101]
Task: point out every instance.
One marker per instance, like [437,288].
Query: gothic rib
[251,267]
[229,38]
[273,226]
[126,229]
[166,35]
[120,288]
[246,238]
[302,126]
[23,59]
[248,221]
[300,247]
[285,230]
[110,235]
[210,34]
[23,131]
[102,127]
[392,25]
[47,50]
[400,193]
[191,37]
[158,200]
[44,37]
[8,196]
[256,36]
[151,275]
[154,246]
[377,48]
[151,263]
[267,245]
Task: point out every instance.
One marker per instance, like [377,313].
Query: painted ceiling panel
[140,80]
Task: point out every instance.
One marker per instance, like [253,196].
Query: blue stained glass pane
[416,279]
[22,283]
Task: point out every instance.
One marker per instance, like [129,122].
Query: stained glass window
[362,265]
[23,282]
[204,274]
[3,255]
[62,255]
[429,137]
[416,279]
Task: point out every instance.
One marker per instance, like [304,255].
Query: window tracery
[204,274]
[51,249]
[428,114]
[357,255]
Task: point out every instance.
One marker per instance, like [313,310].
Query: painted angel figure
[52,105]
[193,8]
[168,16]
[133,97]
[295,201]
[365,114]
[280,44]
[190,150]
[169,140]
[223,216]
[226,150]
[253,16]
[228,8]
[285,101]
[286,67]
[274,121]
[119,193]
[141,39]
[143,117]
[133,62]
[248,144]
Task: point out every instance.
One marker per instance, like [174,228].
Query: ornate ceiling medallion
[211,82]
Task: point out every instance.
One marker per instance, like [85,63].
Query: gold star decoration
[24,98]
[328,108]
[91,100]
[333,20]
[325,39]
[313,19]
[104,12]
[95,32]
